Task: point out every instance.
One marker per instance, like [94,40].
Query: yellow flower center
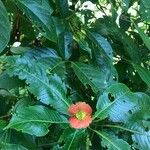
[80,115]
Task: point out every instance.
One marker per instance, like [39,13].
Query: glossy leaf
[90,75]
[63,52]
[116,103]
[40,16]
[4,27]
[63,7]
[49,90]
[35,120]
[139,121]
[112,142]
[102,43]
[126,45]
[64,42]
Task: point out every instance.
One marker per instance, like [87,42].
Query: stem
[97,120]
[5,116]
[48,144]
[72,139]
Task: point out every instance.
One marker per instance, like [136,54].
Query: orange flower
[80,115]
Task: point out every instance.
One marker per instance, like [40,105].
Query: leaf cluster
[54,53]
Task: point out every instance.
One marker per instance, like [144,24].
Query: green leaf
[141,142]
[126,44]
[116,102]
[145,11]
[2,124]
[46,5]
[47,58]
[130,46]
[40,15]
[6,146]
[6,100]
[112,142]
[19,50]
[144,74]
[124,23]
[139,136]
[81,40]
[4,135]
[9,82]
[91,75]
[35,120]
[63,7]
[102,43]
[139,121]
[144,36]
[146,3]
[32,68]
[64,43]
[101,59]
[125,4]
[72,139]
[143,100]
[4,27]
[14,137]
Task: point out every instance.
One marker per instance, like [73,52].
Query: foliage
[54,53]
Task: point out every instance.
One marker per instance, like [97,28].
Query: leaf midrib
[39,121]
[96,115]
[35,14]
[67,104]
[85,76]
[74,135]
[103,136]
[126,129]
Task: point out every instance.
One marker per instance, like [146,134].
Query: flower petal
[84,107]
[86,122]
[73,109]
[78,124]
[80,106]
